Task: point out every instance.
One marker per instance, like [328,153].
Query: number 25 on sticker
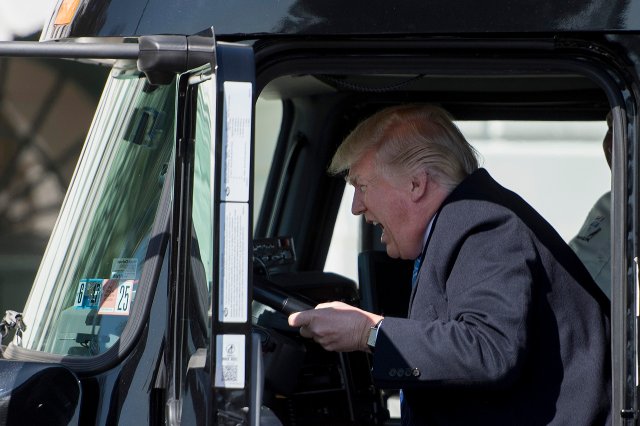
[123,298]
[116,298]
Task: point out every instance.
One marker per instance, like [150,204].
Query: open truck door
[140,313]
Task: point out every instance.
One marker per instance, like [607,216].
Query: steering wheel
[270,294]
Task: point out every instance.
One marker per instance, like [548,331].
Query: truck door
[212,219]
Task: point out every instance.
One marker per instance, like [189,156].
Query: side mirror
[38,394]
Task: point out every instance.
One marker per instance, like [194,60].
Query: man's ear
[419,182]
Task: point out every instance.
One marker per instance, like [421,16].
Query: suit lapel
[425,259]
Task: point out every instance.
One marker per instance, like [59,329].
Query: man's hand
[336,326]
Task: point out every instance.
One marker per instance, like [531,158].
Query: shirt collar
[425,238]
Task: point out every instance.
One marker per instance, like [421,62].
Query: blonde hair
[408,138]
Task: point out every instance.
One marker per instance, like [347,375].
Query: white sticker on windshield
[234,261]
[124,268]
[236,141]
[230,360]
[116,297]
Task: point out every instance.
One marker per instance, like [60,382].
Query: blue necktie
[416,269]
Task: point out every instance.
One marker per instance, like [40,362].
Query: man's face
[385,202]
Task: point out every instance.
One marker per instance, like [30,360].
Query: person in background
[592,244]
[505,325]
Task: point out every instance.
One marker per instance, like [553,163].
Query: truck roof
[262,18]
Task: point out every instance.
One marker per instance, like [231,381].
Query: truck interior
[538,126]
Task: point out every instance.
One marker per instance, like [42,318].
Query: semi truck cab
[201,214]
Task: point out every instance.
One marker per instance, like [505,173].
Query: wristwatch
[373,336]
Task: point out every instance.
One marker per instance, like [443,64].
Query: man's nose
[357,206]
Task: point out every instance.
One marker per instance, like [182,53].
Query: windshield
[86,285]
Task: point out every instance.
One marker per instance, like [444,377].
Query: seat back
[385,283]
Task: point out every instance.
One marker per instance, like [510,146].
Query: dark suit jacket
[505,327]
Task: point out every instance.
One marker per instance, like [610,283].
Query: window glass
[86,285]
[202,252]
[202,194]
[558,167]
[343,251]
[268,122]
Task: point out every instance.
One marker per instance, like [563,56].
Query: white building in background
[22,18]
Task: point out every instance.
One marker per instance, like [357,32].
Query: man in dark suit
[505,325]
